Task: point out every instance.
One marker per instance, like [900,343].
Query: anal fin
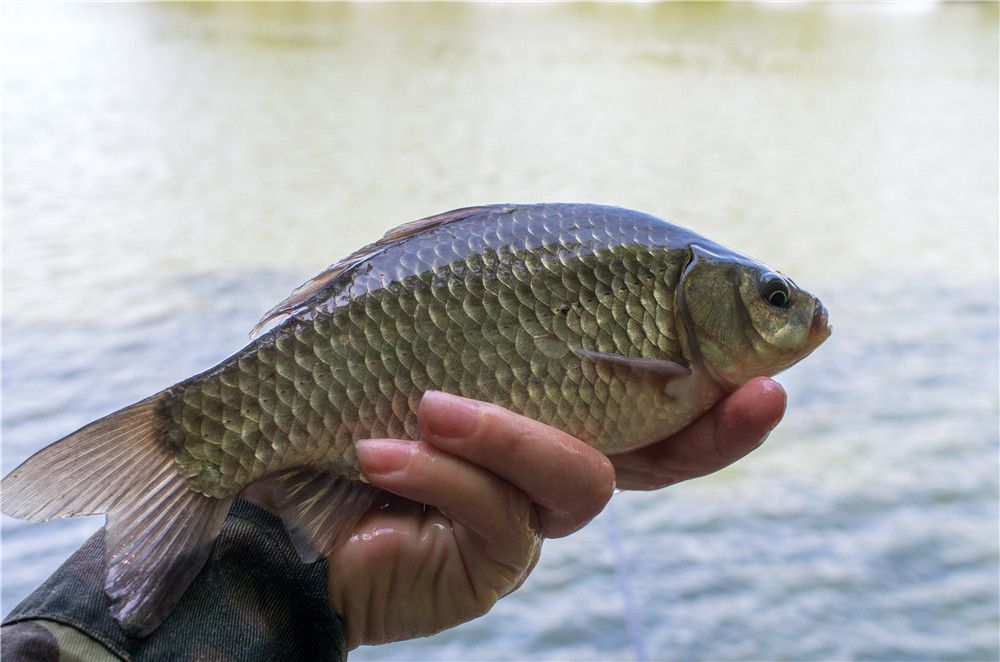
[319,509]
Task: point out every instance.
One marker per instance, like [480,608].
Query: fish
[612,325]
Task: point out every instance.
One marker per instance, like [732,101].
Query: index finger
[568,481]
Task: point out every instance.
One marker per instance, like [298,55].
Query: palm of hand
[410,571]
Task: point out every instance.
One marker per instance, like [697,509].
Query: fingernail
[450,416]
[383,456]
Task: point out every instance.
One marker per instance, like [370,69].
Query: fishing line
[633,624]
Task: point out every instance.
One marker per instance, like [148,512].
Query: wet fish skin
[609,324]
[490,307]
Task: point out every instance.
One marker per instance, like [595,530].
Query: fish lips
[819,329]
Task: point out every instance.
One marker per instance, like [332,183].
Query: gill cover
[743,319]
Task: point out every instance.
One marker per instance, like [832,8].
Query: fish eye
[774,289]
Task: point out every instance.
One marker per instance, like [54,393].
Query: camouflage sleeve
[254,600]
[47,641]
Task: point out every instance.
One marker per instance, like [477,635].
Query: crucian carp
[612,325]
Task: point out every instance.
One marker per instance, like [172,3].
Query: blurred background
[171,171]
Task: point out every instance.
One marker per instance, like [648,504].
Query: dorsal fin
[405,230]
[305,292]
[311,287]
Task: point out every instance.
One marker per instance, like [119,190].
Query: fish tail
[159,531]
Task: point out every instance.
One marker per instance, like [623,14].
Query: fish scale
[494,317]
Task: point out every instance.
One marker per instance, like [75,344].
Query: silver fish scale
[490,306]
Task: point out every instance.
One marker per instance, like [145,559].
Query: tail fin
[159,531]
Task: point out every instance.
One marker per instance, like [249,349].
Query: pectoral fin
[660,368]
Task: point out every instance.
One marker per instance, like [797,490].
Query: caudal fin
[159,531]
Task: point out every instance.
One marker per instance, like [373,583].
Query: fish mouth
[820,328]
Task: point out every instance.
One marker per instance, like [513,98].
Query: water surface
[171,171]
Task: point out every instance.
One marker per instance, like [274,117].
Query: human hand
[496,485]
[732,429]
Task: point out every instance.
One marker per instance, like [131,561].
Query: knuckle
[498,431]
[489,426]
[602,487]
[522,515]
[594,498]
[583,506]
[607,477]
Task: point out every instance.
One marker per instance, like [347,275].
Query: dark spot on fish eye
[774,289]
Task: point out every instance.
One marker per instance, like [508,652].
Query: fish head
[743,319]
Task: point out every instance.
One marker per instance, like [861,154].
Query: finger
[736,426]
[465,493]
[569,481]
